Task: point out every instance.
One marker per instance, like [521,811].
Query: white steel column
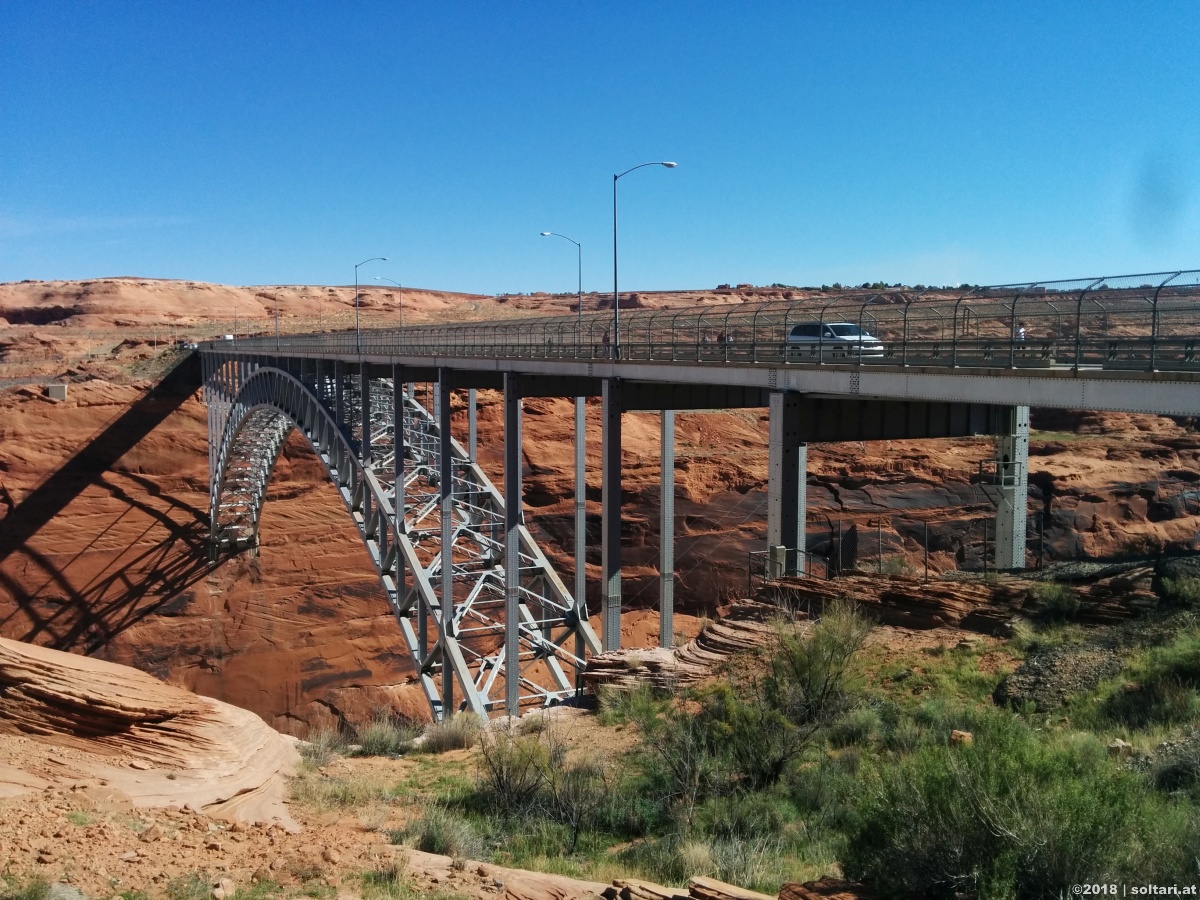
[787,476]
[472,442]
[580,523]
[512,542]
[1012,476]
[446,483]
[610,541]
[666,534]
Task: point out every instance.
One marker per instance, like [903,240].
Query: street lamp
[357,327]
[401,301]
[616,341]
[579,260]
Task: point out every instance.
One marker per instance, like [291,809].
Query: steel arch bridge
[455,566]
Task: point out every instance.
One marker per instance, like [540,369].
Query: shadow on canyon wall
[168,553]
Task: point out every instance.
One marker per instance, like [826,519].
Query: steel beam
[512,539]
[580,525]
[787,477]
[666,533]
[446,485]
[610,540]
[1012,475]
[472,436]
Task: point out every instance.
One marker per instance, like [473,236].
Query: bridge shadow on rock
[148,547]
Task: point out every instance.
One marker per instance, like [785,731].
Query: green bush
[1163,690]
[1182,591]
[34,889]
[512,771]
[385,736]
[1060,602]
[441,831]
[1179,771]
[857,728]
[1006,816]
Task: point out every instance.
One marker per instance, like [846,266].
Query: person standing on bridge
[607,343]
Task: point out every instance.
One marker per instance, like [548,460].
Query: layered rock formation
[67,719]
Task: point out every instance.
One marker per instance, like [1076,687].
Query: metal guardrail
[1132,322]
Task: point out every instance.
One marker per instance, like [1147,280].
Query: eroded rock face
[156,744]
[103,514]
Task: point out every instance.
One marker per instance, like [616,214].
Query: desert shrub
[825,793]
[388,883]
[857,727]
[747,815]
[386,736]
[322,746]
[34,889]
[441,831]
[1059,602]
[1164,687]
[458,732]
[189,886]
[811,679]
[1179,771]
[904,736]
[313,789]
[1182,591]
[620,707]
[512,770]
[1006,816]
[896,565]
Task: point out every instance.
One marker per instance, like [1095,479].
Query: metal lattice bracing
[445,581]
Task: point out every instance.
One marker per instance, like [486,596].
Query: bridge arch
[267,406]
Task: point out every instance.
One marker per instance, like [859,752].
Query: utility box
[776,562]
[56,391]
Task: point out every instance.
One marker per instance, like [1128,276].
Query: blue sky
[281,142]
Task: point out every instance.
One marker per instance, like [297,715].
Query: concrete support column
[1012,476]
[446,484]
[787,493]
[666,534]
[610,540]
[512,542]
[580,524]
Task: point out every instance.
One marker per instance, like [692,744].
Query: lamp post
[357,327]
[579,261]
[401,289]
[616,337]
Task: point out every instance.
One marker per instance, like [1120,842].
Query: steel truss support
[1012,480]
[787,489]
[666,533]
[434,525]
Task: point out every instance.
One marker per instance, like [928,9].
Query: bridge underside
[474,596]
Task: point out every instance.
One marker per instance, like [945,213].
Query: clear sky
[282,142]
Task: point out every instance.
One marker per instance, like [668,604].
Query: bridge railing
[1134,322]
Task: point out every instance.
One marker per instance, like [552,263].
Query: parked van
[832,339]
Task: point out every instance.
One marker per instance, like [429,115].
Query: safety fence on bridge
[1147,322]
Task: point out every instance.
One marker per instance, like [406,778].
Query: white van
[832,339]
